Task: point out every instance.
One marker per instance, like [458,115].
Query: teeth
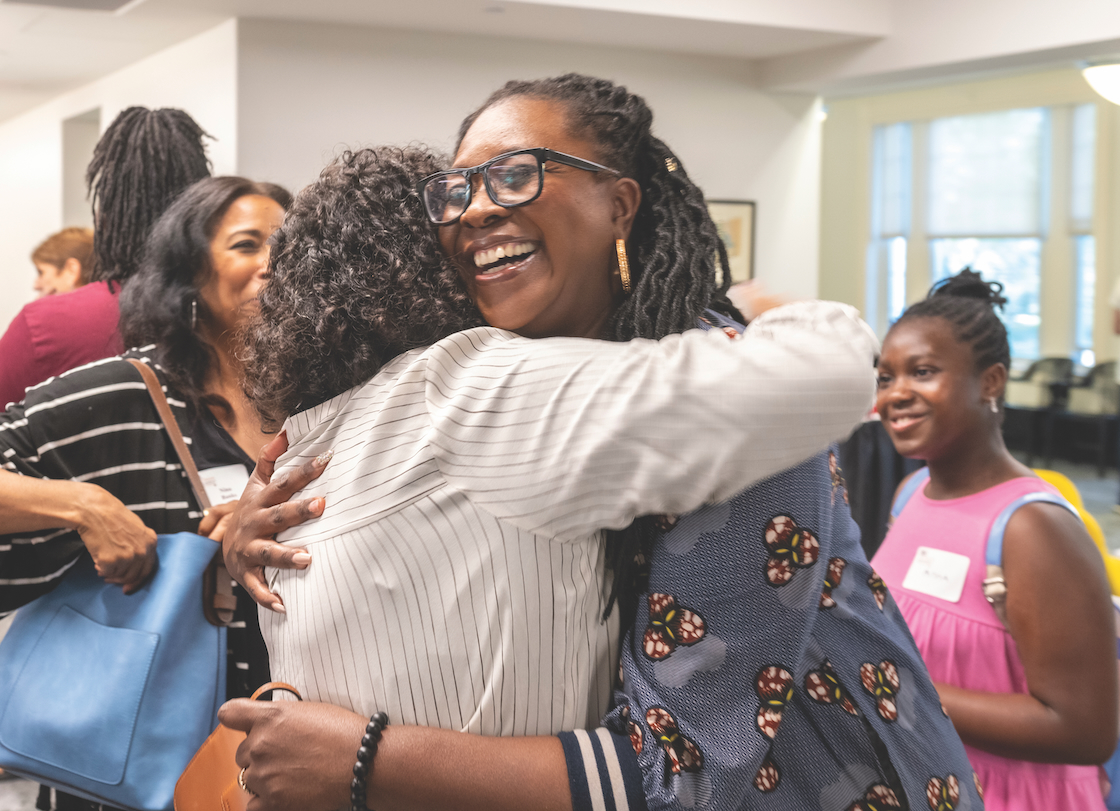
[484,258]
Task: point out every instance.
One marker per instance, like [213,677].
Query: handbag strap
[172,427]
[995,587]
[907,491]
[268,687]
[222,600]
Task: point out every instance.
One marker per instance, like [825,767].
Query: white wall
[306,91]
[198,75]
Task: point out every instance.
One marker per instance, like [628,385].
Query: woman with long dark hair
[97,475]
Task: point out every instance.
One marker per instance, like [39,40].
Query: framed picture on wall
[735,221]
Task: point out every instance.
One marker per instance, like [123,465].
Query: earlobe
[627,198]
[72,269]
[993,381]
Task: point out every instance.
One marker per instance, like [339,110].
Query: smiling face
[238,261]
[546,268]
[51,279]
[931,398]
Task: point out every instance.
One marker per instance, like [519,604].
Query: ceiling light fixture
[1105,79]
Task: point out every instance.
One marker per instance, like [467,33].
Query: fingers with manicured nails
[286,484]
[269,553]
[254,583]
[278,556]
[280,517]
[248,538]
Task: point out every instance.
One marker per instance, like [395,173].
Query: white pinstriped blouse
[457,576]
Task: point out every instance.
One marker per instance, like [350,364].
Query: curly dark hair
[674,245]
[160,302]
[968,303]
[357,277]
[141,163]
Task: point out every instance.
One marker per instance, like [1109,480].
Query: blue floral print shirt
[769,668]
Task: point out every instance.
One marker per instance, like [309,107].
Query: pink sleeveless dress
[964,643]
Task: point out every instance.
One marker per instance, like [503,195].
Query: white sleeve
[564,436]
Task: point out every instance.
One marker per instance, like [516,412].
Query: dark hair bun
[969,284]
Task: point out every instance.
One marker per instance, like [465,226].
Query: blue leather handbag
[107,696]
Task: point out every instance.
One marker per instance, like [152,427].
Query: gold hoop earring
[623,264]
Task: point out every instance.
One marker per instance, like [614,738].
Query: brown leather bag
[209,783]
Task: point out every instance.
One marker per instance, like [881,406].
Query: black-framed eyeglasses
[511,179]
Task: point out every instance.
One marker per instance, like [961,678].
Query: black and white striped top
[97,423]
[457,576]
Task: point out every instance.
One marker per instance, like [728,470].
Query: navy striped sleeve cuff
[603,771]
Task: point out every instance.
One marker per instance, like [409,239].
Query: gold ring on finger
[241,782]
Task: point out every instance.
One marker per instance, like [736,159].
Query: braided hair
[142,162]
[674,243]
[968,304]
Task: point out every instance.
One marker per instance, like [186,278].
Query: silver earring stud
[992,405]
[194,313]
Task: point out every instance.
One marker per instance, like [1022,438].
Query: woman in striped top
[87,467]
[527,450]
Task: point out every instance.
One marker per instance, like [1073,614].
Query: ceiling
[50,46]
[830,47]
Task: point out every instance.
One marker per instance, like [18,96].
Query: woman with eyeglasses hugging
[763,666]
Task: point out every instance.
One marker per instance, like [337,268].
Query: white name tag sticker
[937,573]
[224,483]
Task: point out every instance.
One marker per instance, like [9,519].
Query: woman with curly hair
[356,284]
[766,668]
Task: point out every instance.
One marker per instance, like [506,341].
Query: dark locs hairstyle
[160,304]
[142,162]
[357,277]
[968,304]
[673,245]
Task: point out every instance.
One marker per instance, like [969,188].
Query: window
[1013,262]
[975,191]
[1083,148]
[1086,266]
[987,191]
[890,221]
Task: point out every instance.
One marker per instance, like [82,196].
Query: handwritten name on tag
[224,483]
[937,573]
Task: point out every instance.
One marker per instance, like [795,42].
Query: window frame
[1059,302]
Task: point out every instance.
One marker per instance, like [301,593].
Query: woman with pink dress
[1032,693]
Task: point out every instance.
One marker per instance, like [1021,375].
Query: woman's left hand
[216,520]
[298,755]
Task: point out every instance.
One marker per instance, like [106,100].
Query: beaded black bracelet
[366,753]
